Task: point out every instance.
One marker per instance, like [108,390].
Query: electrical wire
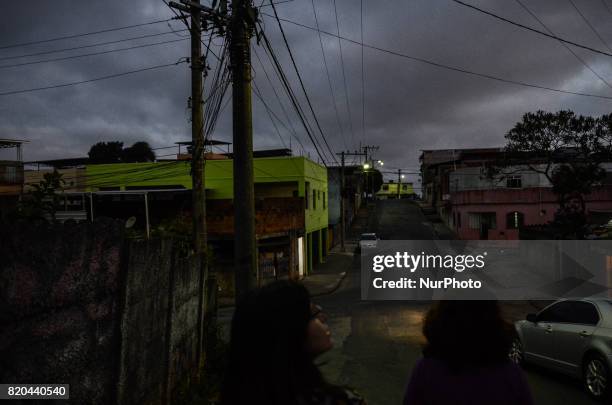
[84,34]
[346,95]
[90,54]
[280,25]
[448,67]
[524,7]
[289,90]
[74,48]
[587,22]
[6,93]
[362,74]
[329,82]
[588,48]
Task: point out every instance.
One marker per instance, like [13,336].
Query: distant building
[478,206]
[353,190]
[392,190]
[11,175]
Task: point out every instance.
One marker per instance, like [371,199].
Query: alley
[378,343]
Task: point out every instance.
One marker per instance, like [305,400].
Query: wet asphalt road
[378,343]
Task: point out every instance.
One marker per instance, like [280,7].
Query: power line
[263,102]
[6,93]
[531,29]
[448,67]
[607,6]
[74,48]
[590,25]
[290,94]
[520,3]
[346,96]
[331,88]
[302,84]
[85,34]
[293,131]
[362,75]
[90,54]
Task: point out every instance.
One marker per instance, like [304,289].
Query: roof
[207,142]
[58,163]
[11,143]
[267,153]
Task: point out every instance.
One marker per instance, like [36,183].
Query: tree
[44,198]
[568,150]
[106,152]
[138,152]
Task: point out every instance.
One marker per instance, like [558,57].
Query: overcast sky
[409,105]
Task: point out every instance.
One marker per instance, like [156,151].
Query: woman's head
[467,333]
[276,333]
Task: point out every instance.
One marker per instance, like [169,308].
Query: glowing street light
[366,166]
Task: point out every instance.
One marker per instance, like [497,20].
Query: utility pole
[342,196]
[245,243]
[399,182]
[206,286]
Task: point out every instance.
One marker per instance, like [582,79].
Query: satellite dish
[130,222]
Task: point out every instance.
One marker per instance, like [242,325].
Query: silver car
[572,336]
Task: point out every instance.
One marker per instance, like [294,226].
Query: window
[307,194]
[514,220]
[324,201]
[314,199]
[514,182]
[584,313]
[404,187]
[578,312]
[557,313]
[385,187]
[458,220]
[478,220]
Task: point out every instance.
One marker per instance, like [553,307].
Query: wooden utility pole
[342,196]
[342,213]
[207,289]
[245,243]
[399,182]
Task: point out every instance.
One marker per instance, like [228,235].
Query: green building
[291,198]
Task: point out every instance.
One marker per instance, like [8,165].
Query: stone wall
[118,320]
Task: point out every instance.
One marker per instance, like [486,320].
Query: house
[353,190]
[11,174]
[477,205]
[291,206]
[392,190]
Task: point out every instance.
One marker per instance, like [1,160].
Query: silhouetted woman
[465,360]
[276,335]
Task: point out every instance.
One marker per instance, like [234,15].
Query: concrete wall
[116,320]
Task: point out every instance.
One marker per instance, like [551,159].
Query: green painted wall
[219,179]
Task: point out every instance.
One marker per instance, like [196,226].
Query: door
[538,337]
[571,338]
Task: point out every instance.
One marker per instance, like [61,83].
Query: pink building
[478,207]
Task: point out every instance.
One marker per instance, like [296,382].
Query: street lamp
[366,166]
[380,162]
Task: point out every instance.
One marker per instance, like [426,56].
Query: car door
[572,338]
[538,337]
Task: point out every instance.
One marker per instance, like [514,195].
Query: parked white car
[573,337]
[368,240]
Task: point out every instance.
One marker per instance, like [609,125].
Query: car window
[584,313]
[559,312]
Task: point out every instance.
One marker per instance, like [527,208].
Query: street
[378,343]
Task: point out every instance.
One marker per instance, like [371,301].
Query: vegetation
[566,148]
[114,152]
[43,201]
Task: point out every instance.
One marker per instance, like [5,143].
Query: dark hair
[467,333]
[268,363]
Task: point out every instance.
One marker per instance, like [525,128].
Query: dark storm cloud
[409,106]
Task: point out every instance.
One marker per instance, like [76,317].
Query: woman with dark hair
[465,360]
[277,332]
